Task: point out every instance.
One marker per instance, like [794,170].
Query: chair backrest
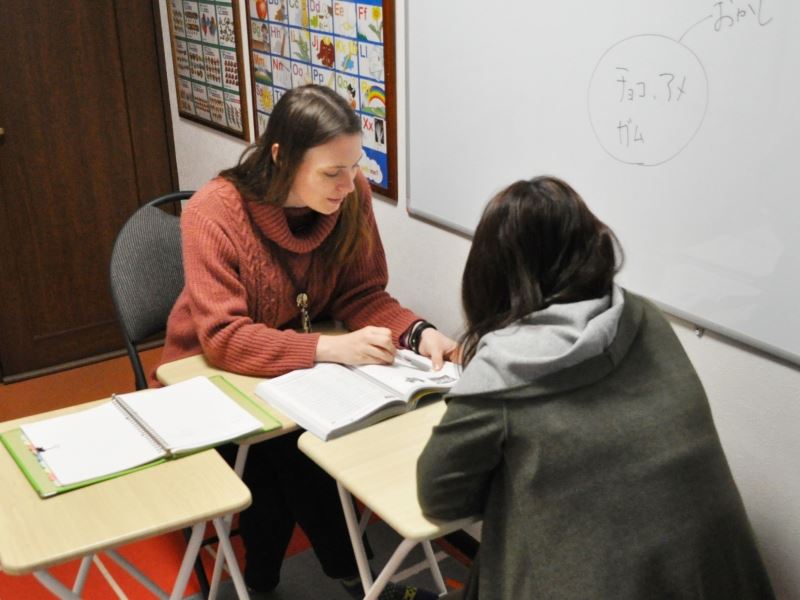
[146,274]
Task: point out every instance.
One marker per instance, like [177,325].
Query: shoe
[258,594]
[392,591]
[352,586]
[257,584]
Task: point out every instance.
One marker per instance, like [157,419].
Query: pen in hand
[413,361]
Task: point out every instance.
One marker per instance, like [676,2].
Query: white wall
[755,398]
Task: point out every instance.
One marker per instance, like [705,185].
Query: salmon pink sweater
[238,305]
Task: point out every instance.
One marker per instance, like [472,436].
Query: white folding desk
[192,366]
[37,533]
[378,466]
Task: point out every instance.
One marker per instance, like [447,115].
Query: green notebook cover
[35,471]
[37,474]
[257,409]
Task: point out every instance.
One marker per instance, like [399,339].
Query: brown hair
[537,244]
[304,117]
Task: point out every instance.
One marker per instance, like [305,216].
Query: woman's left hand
[438,347]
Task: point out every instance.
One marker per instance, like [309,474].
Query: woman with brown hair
[579,429]
[285,238]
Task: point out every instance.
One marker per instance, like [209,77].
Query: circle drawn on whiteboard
[647,99]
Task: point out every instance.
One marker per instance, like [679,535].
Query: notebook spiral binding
[152,437]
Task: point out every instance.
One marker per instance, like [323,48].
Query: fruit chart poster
[347,45]
[207,58]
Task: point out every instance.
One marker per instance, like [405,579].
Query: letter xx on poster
[340,44]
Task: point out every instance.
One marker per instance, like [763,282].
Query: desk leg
[356,529]
[238,468]
[83,573]
[241,459]
[192,548]
[55,586]
[355,537]
[230,557]
[137,574]
[390,569]
[216,574]
[434,567]
[365,517]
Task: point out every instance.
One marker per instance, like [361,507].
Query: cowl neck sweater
[298,230]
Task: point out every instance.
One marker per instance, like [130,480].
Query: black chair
[146,277]
[147,274]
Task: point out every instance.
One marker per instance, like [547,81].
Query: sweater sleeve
[218,302]
[360,298]
[456,467]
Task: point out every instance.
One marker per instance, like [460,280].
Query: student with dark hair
[579,429]
[285,238]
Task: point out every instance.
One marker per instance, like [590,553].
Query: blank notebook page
[191,414]
[90,443]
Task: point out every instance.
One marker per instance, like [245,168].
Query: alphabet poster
[206,51]
[347,45]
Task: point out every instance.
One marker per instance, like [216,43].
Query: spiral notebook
[132,431]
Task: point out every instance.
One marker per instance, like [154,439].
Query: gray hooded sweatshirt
[558,337]
[584,438]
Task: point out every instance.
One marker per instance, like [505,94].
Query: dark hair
[304,117]
[537,244]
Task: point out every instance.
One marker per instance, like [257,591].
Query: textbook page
[326,398]
[90,443]
[407,378]
[189,415]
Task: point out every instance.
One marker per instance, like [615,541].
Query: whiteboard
[678,122]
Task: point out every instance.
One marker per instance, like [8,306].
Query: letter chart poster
[337,43]
[206,51]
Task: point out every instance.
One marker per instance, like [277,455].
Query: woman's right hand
[366,346]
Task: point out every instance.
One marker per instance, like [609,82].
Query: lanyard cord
[301,291]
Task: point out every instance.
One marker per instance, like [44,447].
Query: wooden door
[86,140]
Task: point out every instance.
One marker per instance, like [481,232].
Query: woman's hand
[366,346]
[438,347]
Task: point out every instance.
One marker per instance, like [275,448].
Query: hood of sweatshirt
[544,342]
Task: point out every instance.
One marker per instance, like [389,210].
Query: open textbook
[133,430]
[330,399]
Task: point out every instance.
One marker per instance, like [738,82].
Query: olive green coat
[602,480]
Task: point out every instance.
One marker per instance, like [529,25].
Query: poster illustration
[346,45]
[207,60]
